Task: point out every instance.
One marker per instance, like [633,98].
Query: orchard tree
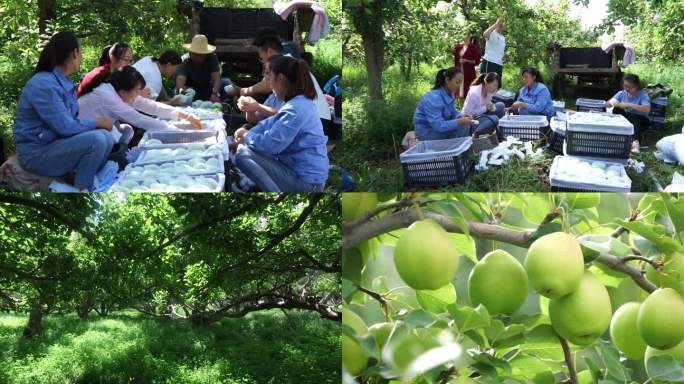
[491,288]
[199,258]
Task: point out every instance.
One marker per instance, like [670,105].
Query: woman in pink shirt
[478,103]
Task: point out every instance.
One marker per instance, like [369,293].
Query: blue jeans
[84,153]
[490,120]
[270,174]
[430,134]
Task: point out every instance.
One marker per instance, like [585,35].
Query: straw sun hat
[199,45]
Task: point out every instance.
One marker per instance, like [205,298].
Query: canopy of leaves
[203,257]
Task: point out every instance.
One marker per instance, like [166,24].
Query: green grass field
[374,130]
[264,347]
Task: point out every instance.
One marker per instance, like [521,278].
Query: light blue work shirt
[47,111]
[538,100]
[641,98]
[436,117]
[295,137]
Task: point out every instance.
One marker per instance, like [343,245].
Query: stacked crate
[658,111]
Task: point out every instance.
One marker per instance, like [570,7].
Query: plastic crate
[523,127]
[504,96]
[127,184]
[484,143]
[557,137]
[658,110]
[173,139]
[662,101]
[219,168]
[583,181]
[589,105]
[559,106]
[604,139]
[438,162]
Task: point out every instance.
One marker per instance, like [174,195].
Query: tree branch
[568,360]
[617,264]
[352,237]
[370,214]
[48,210]
[654,263]
[620,230]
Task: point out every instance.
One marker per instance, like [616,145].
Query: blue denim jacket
[47,111]
[538,100]
[436,115]
[295,137]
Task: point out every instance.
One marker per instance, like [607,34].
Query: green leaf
[666,368]
[611,359]
[654,233]
[546,229]
[468,318]
[436,301]
[352,265]
[543,343]
[471,205]
[534,206]
[466,245]
[676,213]
[348,289]
[491,361]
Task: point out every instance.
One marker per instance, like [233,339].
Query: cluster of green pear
[426,258]
[656,325]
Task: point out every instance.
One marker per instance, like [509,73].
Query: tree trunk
[46,12]
[374,48]
[35,323]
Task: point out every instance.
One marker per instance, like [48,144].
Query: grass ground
[374,130]
[265,347]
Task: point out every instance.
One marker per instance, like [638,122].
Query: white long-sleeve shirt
[475,104]
[149,69]
[103,101]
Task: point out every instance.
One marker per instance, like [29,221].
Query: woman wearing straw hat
[200,70]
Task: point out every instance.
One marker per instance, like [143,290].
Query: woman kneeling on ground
[50,139]
[634,104]
[478,103]
[436,117]
[534,97]
[287,151]
[121,99]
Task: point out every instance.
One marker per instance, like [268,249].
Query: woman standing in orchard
[466,57]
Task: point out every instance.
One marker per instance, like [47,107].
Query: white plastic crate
[599,122]
[558,125]
[523,127]
[570,173]
[583,104]
[180,184]
[203,114]
[154,155]
[504,94]
[174,139]
[200,165]
[559,106]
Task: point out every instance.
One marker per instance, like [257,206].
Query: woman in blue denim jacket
[50,139]
[534,97]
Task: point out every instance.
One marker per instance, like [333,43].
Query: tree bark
[374,48]
[46,13]
[35,323]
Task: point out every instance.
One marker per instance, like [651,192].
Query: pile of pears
[580,310]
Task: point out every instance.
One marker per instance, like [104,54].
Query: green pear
[582,316]
[354,357]
[624,333]
[585,377]
[381,332]
[356,204]
[676,352]
[554,265]
[661,319]
[425,256]
[499,282]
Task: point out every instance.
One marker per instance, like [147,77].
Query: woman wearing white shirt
[478,103]
[492,61]
[152,69]
[120,99]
